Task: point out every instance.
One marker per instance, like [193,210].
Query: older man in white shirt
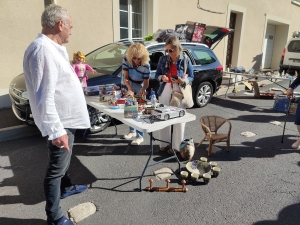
[57,103]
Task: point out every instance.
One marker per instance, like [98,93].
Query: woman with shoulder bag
[171,73]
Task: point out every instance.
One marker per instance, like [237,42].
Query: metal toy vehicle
[163,112]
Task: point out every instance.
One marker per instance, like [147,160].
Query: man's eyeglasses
[169,50]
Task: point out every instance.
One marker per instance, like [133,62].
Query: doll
[80,67]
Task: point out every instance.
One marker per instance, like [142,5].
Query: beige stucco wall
[20,24]
[254,13]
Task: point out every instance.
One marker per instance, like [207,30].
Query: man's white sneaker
[129,135]
[137,141]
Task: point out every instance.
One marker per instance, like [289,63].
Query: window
[294,46]
[203,57]
[131,18]
[108,58]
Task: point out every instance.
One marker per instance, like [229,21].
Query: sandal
[170,152]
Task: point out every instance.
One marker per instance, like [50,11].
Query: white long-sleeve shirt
[55,93]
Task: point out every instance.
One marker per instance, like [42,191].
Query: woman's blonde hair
[138,50]
[78,55]
[174,41]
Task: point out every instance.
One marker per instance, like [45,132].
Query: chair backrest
[212,122]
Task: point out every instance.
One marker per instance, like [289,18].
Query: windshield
[107,59]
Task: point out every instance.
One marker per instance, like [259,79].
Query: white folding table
[141,125]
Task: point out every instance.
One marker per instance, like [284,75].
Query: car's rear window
[294,46]
[203,57]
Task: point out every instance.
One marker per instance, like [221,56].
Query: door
[268,46]
[230,40]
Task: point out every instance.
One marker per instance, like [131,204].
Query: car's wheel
[181,113]
[166,117]
[203,94]
[99,120]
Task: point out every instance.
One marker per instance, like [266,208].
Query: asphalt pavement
[258,183]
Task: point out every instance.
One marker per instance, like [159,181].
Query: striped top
[136,73]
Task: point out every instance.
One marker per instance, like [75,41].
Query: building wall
[252,15]
[96,22]
[19,24]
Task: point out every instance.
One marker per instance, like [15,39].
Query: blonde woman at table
[136,70]
[170,72]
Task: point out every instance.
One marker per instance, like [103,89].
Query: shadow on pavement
[13,221]
[287,216]
[256,149]
[28,164]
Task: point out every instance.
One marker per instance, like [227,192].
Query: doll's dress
[81,73]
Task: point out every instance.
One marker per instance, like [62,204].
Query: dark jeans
[56,179]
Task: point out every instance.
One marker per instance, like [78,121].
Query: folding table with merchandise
[141,125]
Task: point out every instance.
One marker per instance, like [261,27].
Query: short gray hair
[52,14]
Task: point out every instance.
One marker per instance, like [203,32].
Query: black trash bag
[163,35]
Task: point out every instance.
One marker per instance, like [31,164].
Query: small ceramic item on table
[140,108]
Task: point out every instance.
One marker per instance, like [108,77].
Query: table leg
[151,154]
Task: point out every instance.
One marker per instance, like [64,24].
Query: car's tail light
[219,68]
[283,53]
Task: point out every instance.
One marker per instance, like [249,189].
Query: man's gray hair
[52,14]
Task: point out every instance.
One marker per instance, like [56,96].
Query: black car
[107,61]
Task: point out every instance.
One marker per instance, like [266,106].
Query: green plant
[149,37]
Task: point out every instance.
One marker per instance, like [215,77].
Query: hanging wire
[199,7]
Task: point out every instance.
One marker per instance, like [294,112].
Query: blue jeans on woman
[136,89]
[56,180]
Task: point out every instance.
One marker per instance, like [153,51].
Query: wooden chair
[210,126]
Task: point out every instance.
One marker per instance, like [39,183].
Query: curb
[16,132]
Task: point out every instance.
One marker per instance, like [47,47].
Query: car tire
[181,113]
[203,94]
[166,117]
[99,120]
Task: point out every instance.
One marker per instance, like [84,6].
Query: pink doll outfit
[80,70]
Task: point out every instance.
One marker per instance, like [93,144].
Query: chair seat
[217,136]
